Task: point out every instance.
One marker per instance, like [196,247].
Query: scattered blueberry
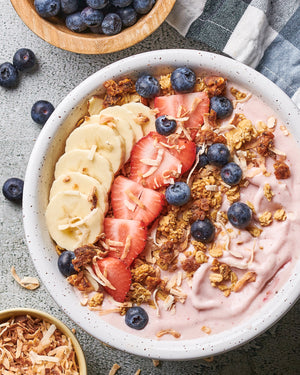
[121,3]
[69,6]
[97,4]
[128,16]
[41,111]
[164,125]
[47,8]
[178,194]
[24,59]
[143,6]
[92,17]
[231,174]
[203,230]
[221,105]
[136,317]
[8,75]
[239,214]
[12,189]
[203,160]
[147,86]
[65,264]
[75,22]
[183,79]
[112,24]
[218,154]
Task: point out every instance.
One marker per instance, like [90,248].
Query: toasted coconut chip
[211,187]
[277,152]
[206,330]
[114,243]
[169,302]
[77,222]
[155,362]
[200,152]
[102,280]
[243,100]
[27,282]
[155,302]
[129,205]
[114,369]
[154,162]
[271,122]
[248,277]
[135,199]
[92,152]
[168,332]
[45,341]
[126,247]
[91,279]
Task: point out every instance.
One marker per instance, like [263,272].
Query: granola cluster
[171,255]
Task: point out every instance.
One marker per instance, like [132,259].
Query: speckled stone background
[276,352]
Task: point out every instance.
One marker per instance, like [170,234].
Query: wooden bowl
[7,314]
[56,33]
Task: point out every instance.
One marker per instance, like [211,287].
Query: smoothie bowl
[160,204]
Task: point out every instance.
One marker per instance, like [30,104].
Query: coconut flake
[92,152]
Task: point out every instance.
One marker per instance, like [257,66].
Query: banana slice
[75,181]
[116,116]
[96,166]
[143,115]
[72,221]
[100,138]
[95,105]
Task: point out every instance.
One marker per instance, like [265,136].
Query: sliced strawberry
[192,105]
[152,165]
[130,200]
[182,149]
[131,233]
[117,273]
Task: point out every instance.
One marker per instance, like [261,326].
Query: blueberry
[164,125]
[147,86]
[231,174]
[203,160]
[112,24]
[97,4]
[47,8]
[12,189]
[69,6]
[41,111]
[203,230]
[239,214]
[222,106]
[136,317]
[178,194]
[96,29]
[65,264]
[75,22]
[128,16]
[121,3]
[218,154]
[92,17]
[143,6]
[8,75]
[183,79]
[24,59]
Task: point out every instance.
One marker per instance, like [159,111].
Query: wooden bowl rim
[60,36]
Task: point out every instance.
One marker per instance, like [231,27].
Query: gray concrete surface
[275,352]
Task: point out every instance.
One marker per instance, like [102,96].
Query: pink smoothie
[271,256]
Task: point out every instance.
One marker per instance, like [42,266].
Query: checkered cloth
[264,34]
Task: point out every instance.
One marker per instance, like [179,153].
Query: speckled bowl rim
[6,314]
[42,249]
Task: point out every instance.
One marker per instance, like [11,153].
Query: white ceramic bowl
[50,145]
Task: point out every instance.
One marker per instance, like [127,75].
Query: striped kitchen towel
[264,34]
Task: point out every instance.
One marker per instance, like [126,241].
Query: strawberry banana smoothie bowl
[173,205]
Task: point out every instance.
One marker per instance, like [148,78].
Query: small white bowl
[39,175]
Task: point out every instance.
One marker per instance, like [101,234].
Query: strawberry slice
[182,149]
[131,233]
[130,200]
[152,165]
[117,273]
[192,105]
